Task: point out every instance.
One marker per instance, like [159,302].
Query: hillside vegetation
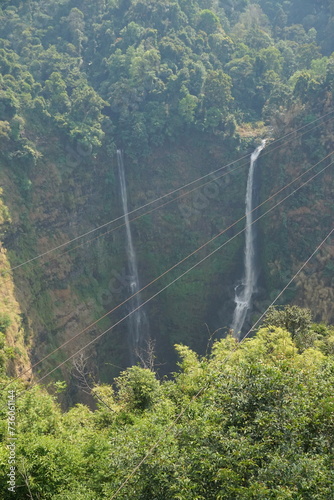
[249,421]
[134,72]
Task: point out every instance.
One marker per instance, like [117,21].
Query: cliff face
[13,323]
[14,338]
[70,192]
[63,196]
[299,224]
[169,83]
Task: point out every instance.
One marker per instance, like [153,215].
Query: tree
[250,420]
[55,92]
[304,86]
[138,389]
[222,46]
[187,107]
[272,59]
[76,27]
[217,97]
[294,319]
[208,21]
[306,53]
[8,105]
[242,72]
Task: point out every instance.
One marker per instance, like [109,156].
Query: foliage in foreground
[263,428]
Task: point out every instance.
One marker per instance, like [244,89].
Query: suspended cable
[160,206]
[205,387]
[171,283]
[164,204]
[173,267]
[62,245]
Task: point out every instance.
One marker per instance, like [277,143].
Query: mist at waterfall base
[244,291]
[137,321]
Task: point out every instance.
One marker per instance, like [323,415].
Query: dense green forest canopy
[136,72]
[257,422]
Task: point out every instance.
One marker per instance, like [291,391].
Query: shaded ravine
[244,291]
[137,321]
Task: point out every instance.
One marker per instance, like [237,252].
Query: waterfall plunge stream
[137,321]
[244,292]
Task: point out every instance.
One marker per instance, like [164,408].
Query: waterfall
[244,292]
[137,322]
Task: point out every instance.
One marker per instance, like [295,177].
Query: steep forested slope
[182,87]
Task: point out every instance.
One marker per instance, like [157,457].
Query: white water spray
[137,320]
[244,292]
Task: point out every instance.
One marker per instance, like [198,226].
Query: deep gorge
[182,90]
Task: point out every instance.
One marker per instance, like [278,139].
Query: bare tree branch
[146,355]
[211,335]
[85,377]
[82,373]
[24,474]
